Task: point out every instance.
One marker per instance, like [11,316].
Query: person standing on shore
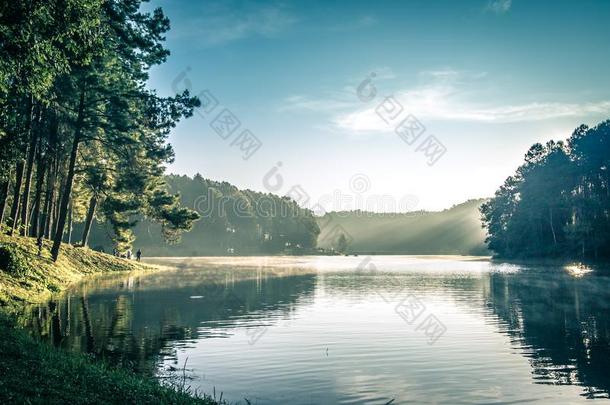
[39,244]
[138,255]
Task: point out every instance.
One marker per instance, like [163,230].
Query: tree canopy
[233,221]
[557,204]
[81,135]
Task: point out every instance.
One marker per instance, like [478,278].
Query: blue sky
[485,78]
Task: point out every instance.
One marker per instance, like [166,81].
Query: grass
[42,277]
[33,372]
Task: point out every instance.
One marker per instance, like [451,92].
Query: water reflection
[128,320]
[557,322]
[561,322]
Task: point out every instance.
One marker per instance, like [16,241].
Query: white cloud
[448,95]
[498,6]
[222,25]
[333,101]
[443,95]
[304,103]
[441,74]
[436,104]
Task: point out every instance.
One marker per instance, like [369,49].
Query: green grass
[41,276]
[33,372]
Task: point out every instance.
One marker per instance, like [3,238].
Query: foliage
[44,275]
[557,204]
[12,260]
[81,134]
[232,221]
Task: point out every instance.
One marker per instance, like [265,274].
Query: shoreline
[28,279]
[34,279]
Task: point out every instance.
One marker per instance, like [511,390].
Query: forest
[81,134]
[233,221]
[557,204]
[84,141]
[453,231]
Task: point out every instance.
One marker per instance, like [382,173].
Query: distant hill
[233,221]
[266,228]
[456,230]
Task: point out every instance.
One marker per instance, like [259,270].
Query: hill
[456,230]
[245,222]
[233,221]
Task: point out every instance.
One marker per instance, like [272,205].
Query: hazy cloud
[444,94]
[322,104]
[437,104]
[498,6]
[221,25]
[448,95]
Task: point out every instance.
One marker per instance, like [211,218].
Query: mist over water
[323,330]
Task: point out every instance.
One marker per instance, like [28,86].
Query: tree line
[452,231]
[557,204]
[233,221]
[81,134]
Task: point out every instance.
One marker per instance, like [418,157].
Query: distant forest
[232,221]
[235,221]
[240,222]
[557,204]
[456,230]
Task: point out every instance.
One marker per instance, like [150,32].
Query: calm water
[339,330]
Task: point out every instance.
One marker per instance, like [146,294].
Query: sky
[385,105]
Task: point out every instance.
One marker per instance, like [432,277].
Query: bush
[12,260]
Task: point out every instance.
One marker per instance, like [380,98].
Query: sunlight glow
[578,270]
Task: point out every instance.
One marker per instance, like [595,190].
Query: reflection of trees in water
[563,324]
[134,326]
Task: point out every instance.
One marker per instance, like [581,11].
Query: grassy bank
[31,372]
[34,372]
[26,277]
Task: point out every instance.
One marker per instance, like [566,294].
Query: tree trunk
[48,202]
[52,164]
[48,222]
[65,199]
[40,172]
[4,197]
[70,213]
[25,200]
[17,196]
[89,220]
[56,205]
[552,226]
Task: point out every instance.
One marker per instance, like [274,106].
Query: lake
[348,330]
